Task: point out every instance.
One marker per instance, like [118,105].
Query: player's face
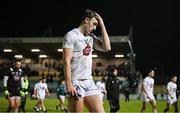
[18,64]
[174,79]
[115,72]
[43,80]
[152,73]
[91,25]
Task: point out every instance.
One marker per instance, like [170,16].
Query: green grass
[132,106]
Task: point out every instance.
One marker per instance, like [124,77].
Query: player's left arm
[22,82]
[47,91]
[168,91]
[104,44]
[22,78]
[104,89]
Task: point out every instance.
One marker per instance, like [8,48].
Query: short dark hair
[172,76]
[113,69]
[43,78]
[88,14]
[151,68]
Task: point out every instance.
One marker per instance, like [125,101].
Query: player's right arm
[6,77]
[5,81]
[67,56]
[6,92]
[68,46]
[144,86]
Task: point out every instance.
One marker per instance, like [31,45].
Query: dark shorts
[14,92]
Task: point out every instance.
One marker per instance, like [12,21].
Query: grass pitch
[125,107]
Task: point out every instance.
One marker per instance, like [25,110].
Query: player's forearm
[105,38]
[169,94]
[47,92]
[35,92]
[67,56]
[22,82]
[144,89]
[68,75]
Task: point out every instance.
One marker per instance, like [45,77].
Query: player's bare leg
[167,108]
[61,104]
[175,107]
[42,105]
[12,104]
[75,106]
[144,104]
[16,105]
[94,104]
[154,106]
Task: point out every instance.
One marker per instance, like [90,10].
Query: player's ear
[86,20]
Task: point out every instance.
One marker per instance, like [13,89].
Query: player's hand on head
[100,20]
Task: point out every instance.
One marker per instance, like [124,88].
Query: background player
[148,87]
[61,95]
[41,90]
[13,82]
[171,94]
[101,88]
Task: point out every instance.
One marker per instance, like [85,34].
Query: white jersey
[172,87]
[81,64]
[101,87]
[41,88]
[148,85]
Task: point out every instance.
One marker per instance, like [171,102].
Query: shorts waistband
[82,79]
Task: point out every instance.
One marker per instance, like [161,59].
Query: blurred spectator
[51,78]
[96,72]
[126,91]
[26,70]
[113,90]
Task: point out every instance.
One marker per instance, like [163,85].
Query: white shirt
[172,87]
[81,64]
[148,84]
[101,87]
[41,88]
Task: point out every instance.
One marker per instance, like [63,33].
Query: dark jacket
[112,87]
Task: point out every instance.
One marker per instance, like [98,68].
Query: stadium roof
[49,45]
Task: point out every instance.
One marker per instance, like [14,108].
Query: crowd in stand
[123,69]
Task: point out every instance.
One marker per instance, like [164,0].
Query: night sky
[155,24]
